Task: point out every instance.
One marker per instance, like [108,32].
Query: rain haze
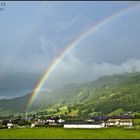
[33,34]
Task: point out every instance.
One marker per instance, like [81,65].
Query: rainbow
[73,44]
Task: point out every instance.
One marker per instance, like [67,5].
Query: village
[95,122]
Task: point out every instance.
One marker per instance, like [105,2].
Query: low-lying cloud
[73,70]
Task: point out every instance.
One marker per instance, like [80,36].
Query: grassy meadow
[61,133]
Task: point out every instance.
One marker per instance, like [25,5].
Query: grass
[62,111]
[116,112]
[73,112]
[136,123]
[61,133]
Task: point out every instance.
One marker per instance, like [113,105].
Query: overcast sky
[32,34]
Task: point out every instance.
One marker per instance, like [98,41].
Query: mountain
[116,93]
[15,84]
[17,104]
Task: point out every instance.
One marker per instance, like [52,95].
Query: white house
[9,125]
[101,125]
[119,121]
[126,123]
[50,120]
[34,124]
[61,121]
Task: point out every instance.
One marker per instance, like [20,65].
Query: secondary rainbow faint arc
[73,44]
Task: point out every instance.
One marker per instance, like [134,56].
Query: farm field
[61,133]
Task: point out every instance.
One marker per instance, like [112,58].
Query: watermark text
[2,6]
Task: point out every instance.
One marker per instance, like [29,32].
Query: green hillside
[109,94]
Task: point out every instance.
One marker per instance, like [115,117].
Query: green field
[61,133]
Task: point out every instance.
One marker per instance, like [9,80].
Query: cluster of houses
[102,122]
[48,122]
[95,122]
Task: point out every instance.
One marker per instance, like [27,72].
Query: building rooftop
[104,118]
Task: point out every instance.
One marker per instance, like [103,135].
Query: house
[50,120]
[89,121]
[84,125]
[34,124]
[41,121]
[124,120]
[119,121]
[100,118]
[9,125]
[61,121]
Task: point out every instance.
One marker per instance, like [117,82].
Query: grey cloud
[75,70]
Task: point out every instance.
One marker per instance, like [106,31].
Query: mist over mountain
[106,94]
[17,84]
